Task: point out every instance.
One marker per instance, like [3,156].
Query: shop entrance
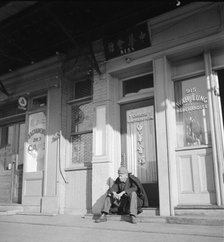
[138,145]
[11,162]
[194,154]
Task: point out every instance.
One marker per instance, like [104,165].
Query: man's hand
[120,195]
[115,195]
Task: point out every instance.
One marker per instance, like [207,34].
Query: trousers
[127,203]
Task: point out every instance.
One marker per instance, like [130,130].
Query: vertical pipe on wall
[208,72]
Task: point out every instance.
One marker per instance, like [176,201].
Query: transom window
[137,85]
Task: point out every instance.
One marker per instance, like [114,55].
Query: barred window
[81,136]
[81,148]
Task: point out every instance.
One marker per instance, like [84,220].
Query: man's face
[123,177]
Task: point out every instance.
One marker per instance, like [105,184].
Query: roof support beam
[3,89]
[70,37]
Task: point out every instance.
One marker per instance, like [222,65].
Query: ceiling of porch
[32,31]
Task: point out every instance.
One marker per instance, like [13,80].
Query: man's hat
[122,170]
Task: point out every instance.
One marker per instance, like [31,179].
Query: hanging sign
[22,103]
[128,41]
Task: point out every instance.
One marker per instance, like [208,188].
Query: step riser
[10,208]
[196,221]
[13,209]
[200,212]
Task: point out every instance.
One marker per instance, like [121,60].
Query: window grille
[81,148]
[81,136]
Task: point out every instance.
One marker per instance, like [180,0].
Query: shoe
[133,220]
[102,218]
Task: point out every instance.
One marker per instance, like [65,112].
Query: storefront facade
[156,107]
[30,119]
[167,102]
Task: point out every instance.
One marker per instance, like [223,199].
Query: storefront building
[156,106]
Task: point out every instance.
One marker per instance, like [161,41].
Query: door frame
[153,189]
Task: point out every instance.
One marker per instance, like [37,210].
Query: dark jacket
[132,184]
[141,191]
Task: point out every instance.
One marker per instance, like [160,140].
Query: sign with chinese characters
[128,41]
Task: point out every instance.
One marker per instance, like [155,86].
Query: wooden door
[138,145]
[194,157]
[11,162]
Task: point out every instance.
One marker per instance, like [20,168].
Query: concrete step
[14,208]
[140,218]
[10,209]
[196,220]
[191,220]
[203,216]
[200,210]
[36,214]
[150,212]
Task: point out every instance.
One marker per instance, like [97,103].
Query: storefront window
[36,142]
[192,113]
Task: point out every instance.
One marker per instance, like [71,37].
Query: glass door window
[36,142]
[6,147]
[192,114]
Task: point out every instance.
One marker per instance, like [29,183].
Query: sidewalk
[90,229]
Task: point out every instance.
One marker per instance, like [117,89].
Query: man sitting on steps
[127,195]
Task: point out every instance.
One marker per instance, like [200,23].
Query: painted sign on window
[36,142]
[192,120]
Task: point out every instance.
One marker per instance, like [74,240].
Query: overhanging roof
[31,31]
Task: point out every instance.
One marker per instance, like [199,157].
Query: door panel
[196,177]
[138,145]
[5,186]
[11,170]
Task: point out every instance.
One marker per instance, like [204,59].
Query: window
[11,143]
[36,142]
[38,102]
[81,136]
[82,89]
[6,146]
[137,85]
[192,114]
